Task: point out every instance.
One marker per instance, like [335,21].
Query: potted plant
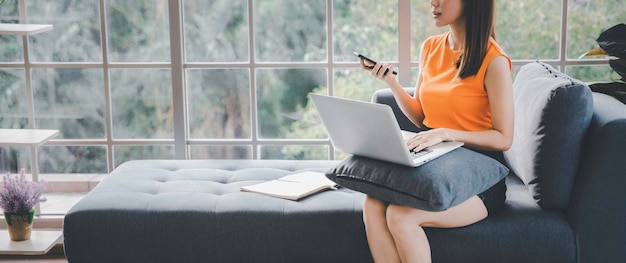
[18,198]
[612,44]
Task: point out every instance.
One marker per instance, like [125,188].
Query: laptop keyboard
[420,153]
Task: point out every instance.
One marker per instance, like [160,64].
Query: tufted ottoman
[193,211]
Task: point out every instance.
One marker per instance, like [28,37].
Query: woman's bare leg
[406,226]
[379,238]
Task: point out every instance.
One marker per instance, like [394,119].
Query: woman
[463,93]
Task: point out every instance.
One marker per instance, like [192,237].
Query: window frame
[178,68]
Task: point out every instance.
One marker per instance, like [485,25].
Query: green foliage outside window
[260,92]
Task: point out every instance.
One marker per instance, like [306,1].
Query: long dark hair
[479,27]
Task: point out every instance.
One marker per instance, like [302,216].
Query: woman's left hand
[383,71]
[380,71]
[425,139]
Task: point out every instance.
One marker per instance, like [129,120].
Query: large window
[195,79]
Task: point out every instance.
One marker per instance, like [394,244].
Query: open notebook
[294,186]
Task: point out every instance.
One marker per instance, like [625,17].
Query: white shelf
[23,29]
[40,243]
[25,137]
[30,138]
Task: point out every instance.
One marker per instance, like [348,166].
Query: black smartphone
[370,60]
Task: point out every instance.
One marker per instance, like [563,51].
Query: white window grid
[181,140]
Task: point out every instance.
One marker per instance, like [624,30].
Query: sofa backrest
[552,115]
[597,210]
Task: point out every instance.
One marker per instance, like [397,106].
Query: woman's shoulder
[494,47]
[494,50]
[437,39]
[434,42]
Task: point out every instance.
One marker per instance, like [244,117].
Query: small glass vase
[19,225]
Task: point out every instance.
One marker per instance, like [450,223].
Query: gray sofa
[193,211]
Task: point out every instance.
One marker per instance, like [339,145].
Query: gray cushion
[435,186]
[552,113]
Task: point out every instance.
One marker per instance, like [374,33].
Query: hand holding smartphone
[370,60]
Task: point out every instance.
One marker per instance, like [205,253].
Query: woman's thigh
[464,214]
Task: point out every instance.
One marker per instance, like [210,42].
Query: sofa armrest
[597,209]
[385,96]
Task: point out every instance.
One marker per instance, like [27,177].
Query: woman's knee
[400,218]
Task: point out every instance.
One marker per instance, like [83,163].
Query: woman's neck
[456,38]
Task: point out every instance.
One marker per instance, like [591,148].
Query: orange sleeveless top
[447,100]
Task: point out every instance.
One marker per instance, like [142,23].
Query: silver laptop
[371,130]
